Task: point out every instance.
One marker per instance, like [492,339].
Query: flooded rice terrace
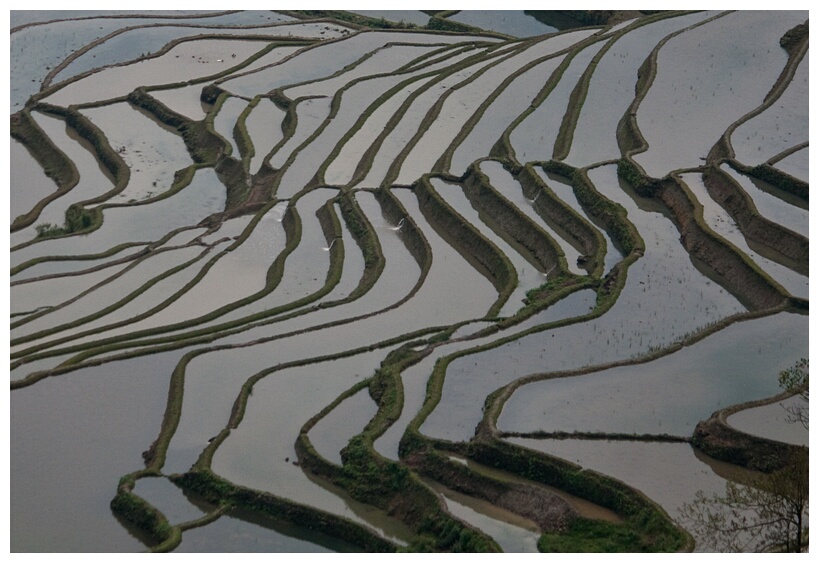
[344,281]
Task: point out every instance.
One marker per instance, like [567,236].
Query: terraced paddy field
[400,280]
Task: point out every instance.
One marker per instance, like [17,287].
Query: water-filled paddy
[771,207]
[152,153]
[534,137]
[256,454]
[464,100]
[513,533]
[653,310]
[669,395]
[410,124]
[203,196]
[264,126]
[28,184]
[114,291]
[566,194]
[510,103]
[93,181]
[186,61]
[383,61]
[779,127]
[326,59]
[405,16]
[773,421]
[611,90]
[796,164]
[706,81]
[226,119]
[243,531]
[529,276]
[341,169]
[334,430]
[670,474]
[509,188]
[724,225]
[99,414]
[331,296]
[509,22]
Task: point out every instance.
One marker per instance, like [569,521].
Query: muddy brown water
[513,533]
[669,474]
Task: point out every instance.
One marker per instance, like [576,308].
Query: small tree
[768,515]
[796,379]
